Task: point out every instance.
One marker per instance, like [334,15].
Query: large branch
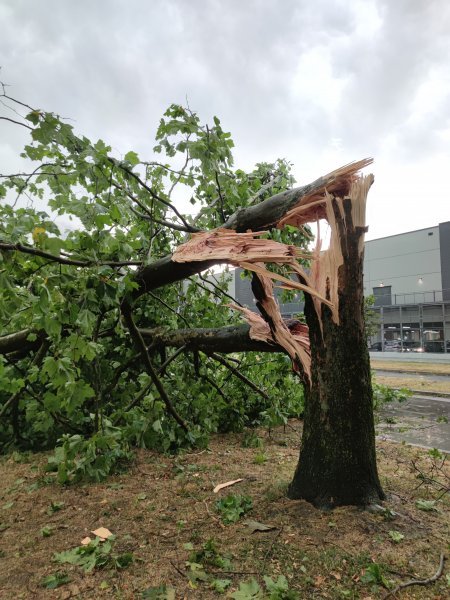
[269,213]
[257,217]
[18,341]
[235,338]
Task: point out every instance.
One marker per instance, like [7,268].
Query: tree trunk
[337,464]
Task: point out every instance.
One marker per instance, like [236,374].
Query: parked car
[392,346]
[435,346]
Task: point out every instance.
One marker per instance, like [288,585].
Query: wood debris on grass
[227,484]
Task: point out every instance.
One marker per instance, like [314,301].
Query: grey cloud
[385,72]
[114,66]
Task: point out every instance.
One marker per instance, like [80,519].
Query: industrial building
[409,276]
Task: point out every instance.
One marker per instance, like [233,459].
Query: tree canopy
[113,337]
[81,231]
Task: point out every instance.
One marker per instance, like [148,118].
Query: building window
[382,295]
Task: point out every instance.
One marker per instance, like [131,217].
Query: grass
[163,513]
[412,367]
[413,383]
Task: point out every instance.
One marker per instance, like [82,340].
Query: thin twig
[206,289]
[172,310]
[62,260]
[219,289]
[168,224]
[167,362]
[269,551]
[140,345]
[239,375]
[178,570]
[222,203]
[146,389]
[431,579]
[16,122]
[152,192]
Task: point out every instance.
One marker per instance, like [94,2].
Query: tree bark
[337,464]
[235,338]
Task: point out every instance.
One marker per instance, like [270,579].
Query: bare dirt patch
[163,510]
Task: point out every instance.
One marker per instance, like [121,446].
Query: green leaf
[161,592]
[374,574]
[232,507]
[220,585]
[426,505]
[132,158]
[196,572]
[250,590]
[396,536]
[55,507]
[123,560]
[55,580]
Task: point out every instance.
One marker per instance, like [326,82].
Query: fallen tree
[72,305]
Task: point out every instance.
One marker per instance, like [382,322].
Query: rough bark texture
[337,463]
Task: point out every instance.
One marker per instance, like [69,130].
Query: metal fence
[426,297]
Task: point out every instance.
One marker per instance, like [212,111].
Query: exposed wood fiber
[250,251]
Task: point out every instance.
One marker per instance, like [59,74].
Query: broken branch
[431,579]
[140,345]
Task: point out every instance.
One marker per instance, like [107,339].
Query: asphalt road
[420,421]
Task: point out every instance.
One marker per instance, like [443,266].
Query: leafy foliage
[95,555]
[95,458]
[375,574]
[275,590]
[383,394]
[426,505]
[55,580]
[233,507]
[396,536]
[209,555]
[83,220]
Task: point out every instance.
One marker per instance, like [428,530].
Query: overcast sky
[321,83]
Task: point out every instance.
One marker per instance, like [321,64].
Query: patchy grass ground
[164,510]
[413,367]
[414,383]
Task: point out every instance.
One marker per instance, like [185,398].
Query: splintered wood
[292,335]
[328,203]
[296,345]
[232,247]
[312,206]
[340,199]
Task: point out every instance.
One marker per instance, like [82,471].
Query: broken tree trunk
[337,464]
[337,459]
[266,214]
